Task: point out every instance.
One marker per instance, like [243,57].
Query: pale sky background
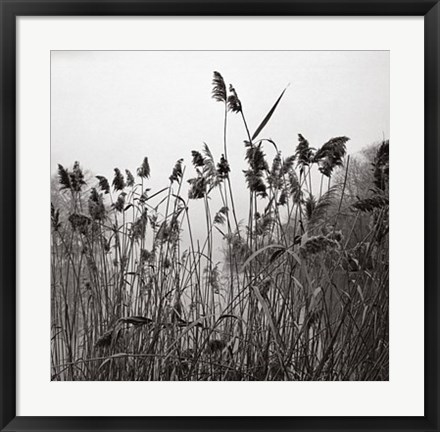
[111,108]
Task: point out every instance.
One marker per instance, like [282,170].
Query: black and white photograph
[219,215]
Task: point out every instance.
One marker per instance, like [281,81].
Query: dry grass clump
[300,294]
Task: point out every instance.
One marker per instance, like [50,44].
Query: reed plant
[298,295]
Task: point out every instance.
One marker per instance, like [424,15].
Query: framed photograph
[219,215]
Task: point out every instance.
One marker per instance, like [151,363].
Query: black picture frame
[10,9]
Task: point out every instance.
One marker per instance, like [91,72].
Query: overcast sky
[110,109]
[113,108]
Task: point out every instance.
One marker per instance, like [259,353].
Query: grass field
[300,293]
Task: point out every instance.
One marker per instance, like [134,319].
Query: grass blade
[268,116]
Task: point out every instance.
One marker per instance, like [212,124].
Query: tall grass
[298,296]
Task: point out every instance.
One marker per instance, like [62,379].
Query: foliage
[299,295]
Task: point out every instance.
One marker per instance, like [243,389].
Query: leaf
[314,295]
[364,314]
[224,316]
[268,116]
[259,251]
[359,290]
[317,291]
[297,282]
[136,320]
[301,318]
[269,317]
[114,356]
[304,239]
[294,255]
[276,254]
